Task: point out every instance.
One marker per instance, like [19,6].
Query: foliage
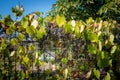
[83,49]
[83,9]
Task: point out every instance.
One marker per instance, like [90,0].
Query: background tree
[83,9]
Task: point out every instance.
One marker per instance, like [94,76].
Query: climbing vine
[82,50]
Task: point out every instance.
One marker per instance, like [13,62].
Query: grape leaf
[37,13]
[14,41]
[68,28]
[111,38]
[30,30]
[60,20]
[21,36]
[107,77]
[92,37]
[24,22]
[64,60]
[113,49]
[97,73]
[92,48]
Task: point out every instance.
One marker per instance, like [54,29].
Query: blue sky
[29,5]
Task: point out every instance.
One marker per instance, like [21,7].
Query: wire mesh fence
[11,68]
[47,58]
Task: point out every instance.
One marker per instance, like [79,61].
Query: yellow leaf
[12,53]
[66,72]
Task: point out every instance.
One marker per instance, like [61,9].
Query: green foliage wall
[83,49]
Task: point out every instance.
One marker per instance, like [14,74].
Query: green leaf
[37,62]
[4,71]
[37,13]
[21,36]
[20,28]
[50,19]
[3,44]
[37,54]
[24,22]
[80,25]
[111,38]
[9,31]
[21,50]
[102,63]
[31,47]
[97,73]
[90,21]
[40,33]
[30,30]
[11,28]
[68,28]
[107,77]
[85,35]
[40,20]
[92,37]
[22,75]
[8,20]
[14,41]
[92,48]
[77,31]
[26,60]
[42,63]
[64,60]
[81,67]
[48,71]
[113,49]
[60,19]
[102,55]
